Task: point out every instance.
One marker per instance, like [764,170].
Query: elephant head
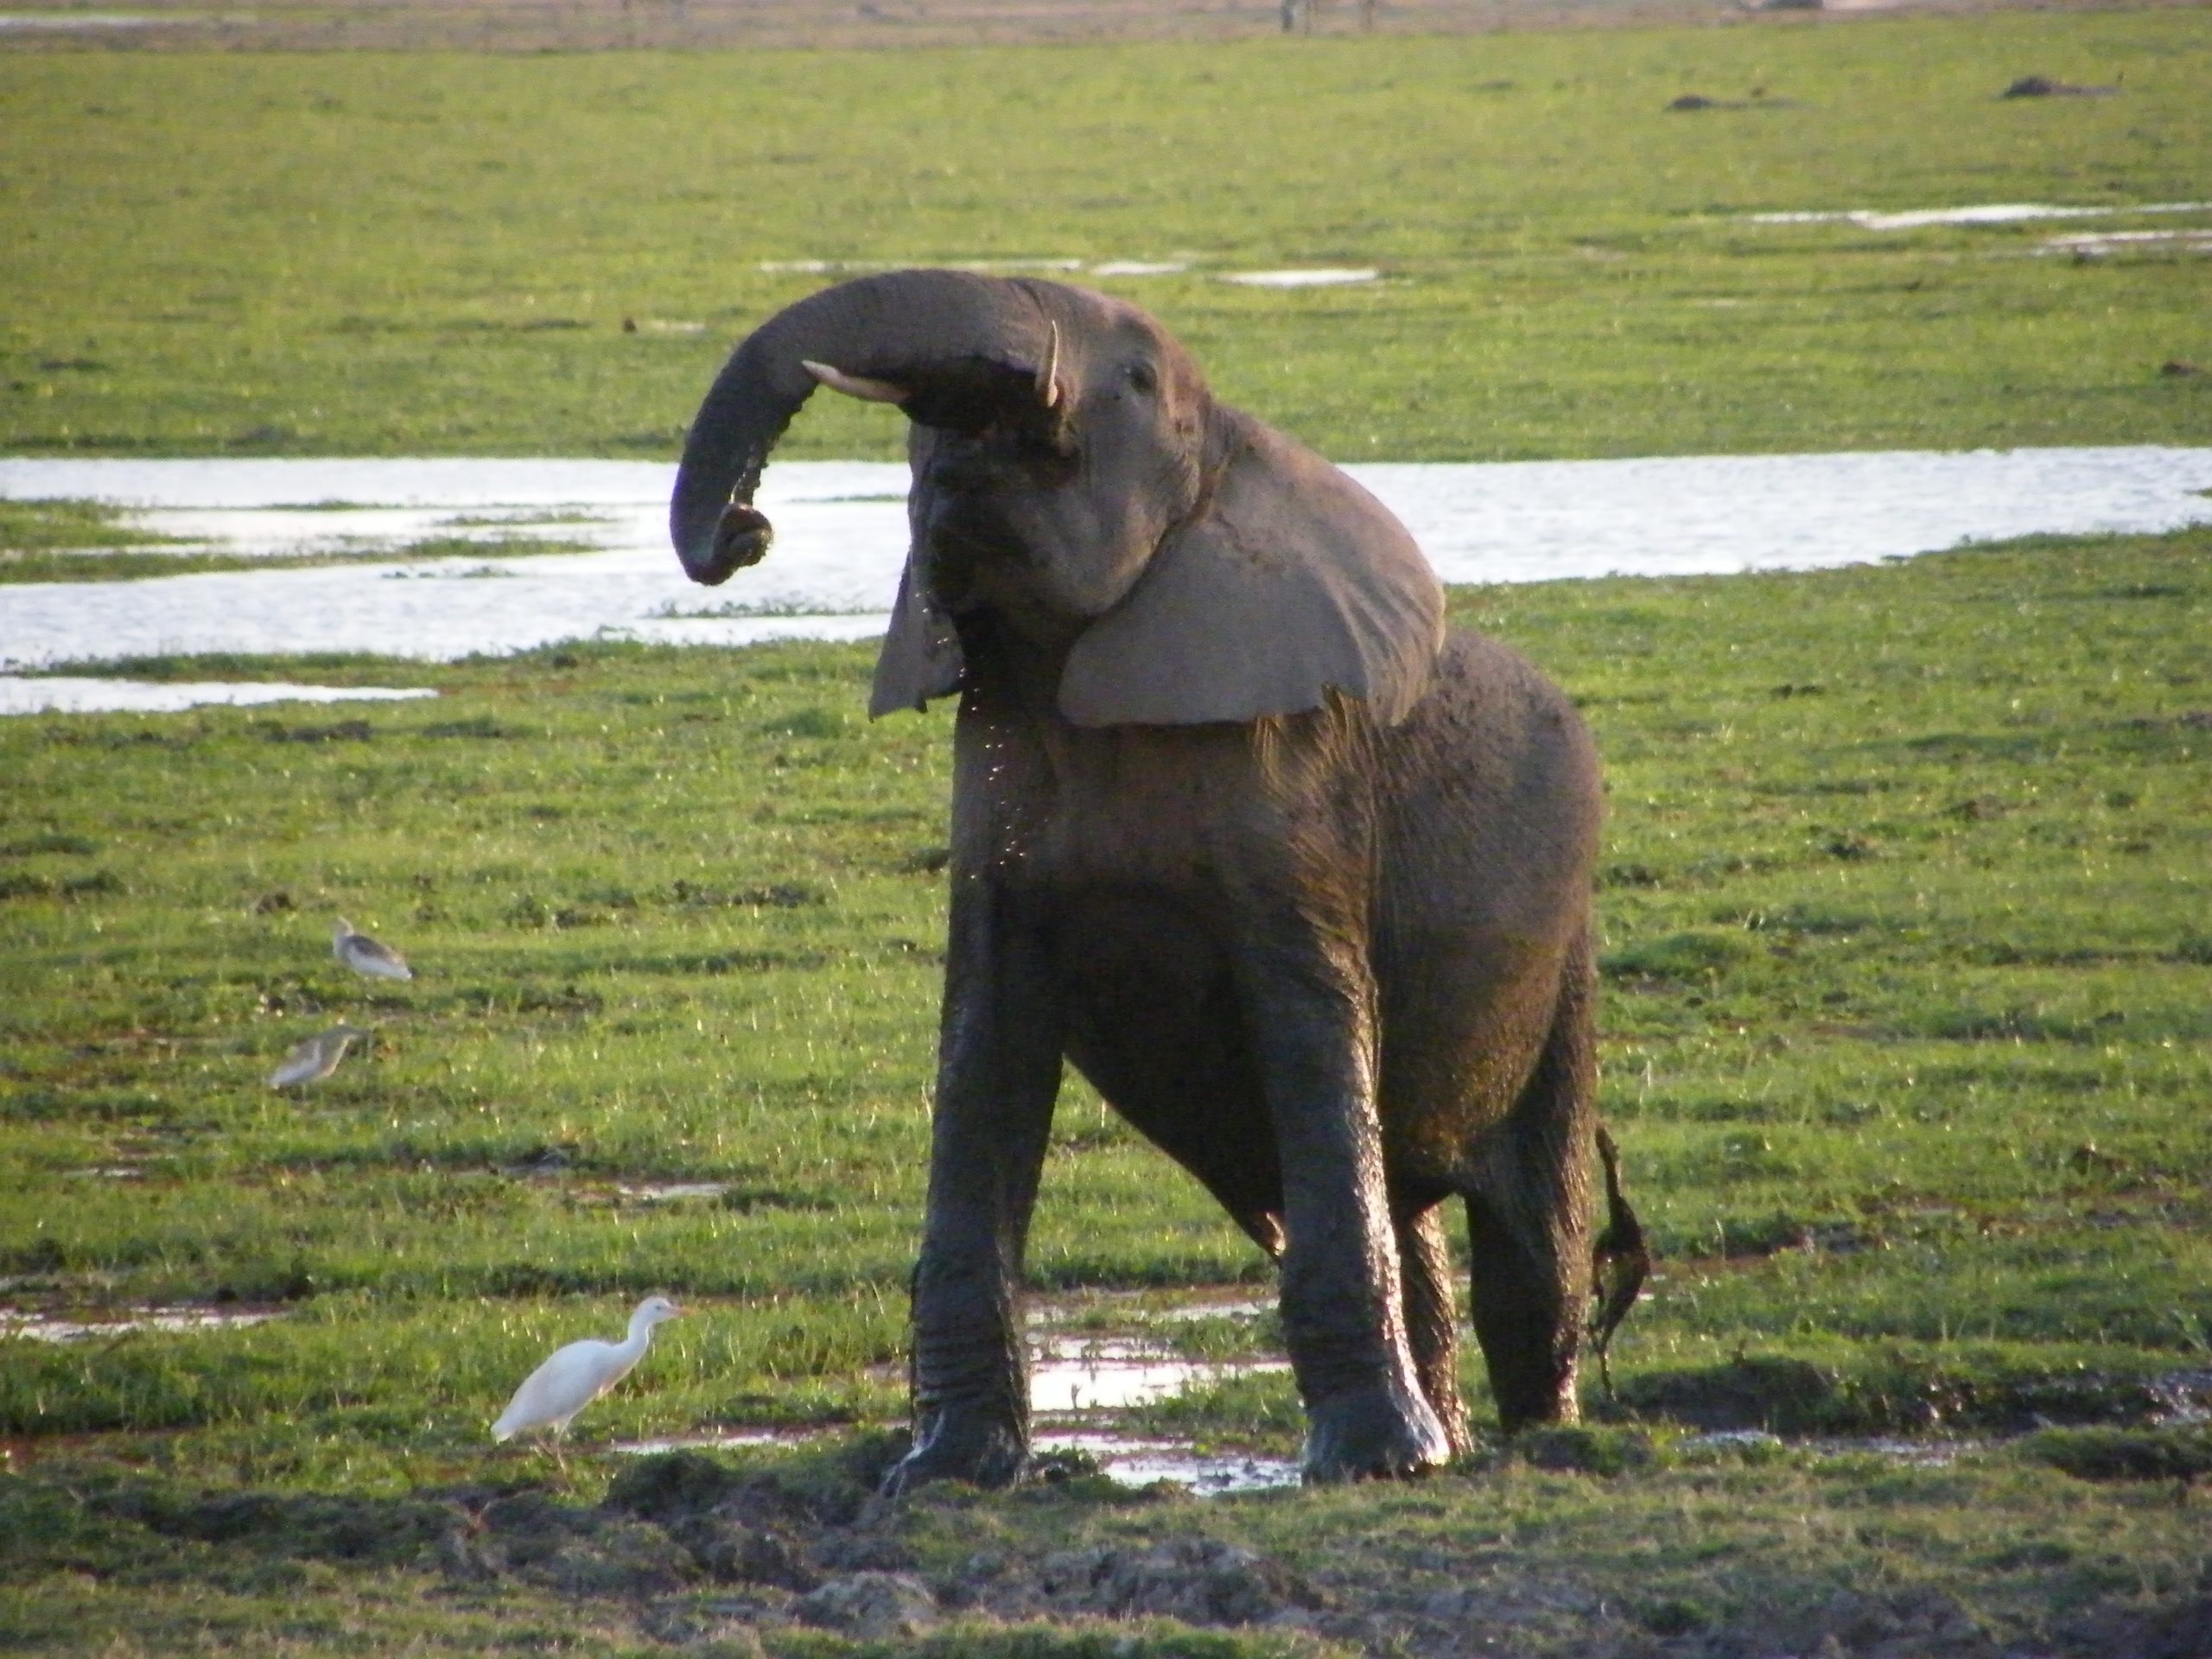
[1075,483]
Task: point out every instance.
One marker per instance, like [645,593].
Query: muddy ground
[589,25]
[697,1554]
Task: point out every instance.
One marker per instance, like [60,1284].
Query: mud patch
[1794,1398]
[2183,1454]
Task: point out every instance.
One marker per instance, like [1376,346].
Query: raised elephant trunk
[905,331]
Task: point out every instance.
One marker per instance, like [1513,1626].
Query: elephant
[1297,878]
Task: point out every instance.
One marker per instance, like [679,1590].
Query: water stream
[841,536]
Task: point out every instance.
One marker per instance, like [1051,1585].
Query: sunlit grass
[438,253]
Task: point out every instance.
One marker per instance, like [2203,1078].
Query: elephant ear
[921,656]
[1291,580]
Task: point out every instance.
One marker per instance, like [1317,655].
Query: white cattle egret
[365,956]
[577,1375]
[316,1058]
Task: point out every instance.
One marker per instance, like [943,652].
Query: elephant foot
[1383,1433]
[1537,1397]
[981,1450]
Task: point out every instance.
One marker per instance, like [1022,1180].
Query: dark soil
[709,1557]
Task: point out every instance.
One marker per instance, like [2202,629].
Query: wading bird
[365,956]
[316,1058]
[551,1395]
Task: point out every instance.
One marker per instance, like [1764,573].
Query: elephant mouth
[965,539]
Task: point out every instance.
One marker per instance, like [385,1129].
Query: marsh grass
[1908,967]
[108,561]
[437,253]
[1905,1037]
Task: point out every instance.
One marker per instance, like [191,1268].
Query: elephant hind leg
[1432,1320]
[1528,1220]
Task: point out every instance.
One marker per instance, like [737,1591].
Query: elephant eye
[1142,379]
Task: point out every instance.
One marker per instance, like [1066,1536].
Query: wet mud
[1794,1397]
[696,1552]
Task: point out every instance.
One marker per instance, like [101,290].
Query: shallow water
[2190,241]
[73,20]
[1323,277]
[1071,1376]
[42,1327]
[63,693]
[672,1191]
[717,1438]
[1132,1462]
[1994,213]
[1911,1454]
[842,534]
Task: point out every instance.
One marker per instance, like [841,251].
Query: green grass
[1908,955]
[102,564]
[1906,1040]
[435,253]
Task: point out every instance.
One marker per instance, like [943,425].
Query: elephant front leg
[998,1074]
[1343,1295]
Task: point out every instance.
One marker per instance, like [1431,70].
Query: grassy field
[1907,1037]
[426,253]
[1908,946]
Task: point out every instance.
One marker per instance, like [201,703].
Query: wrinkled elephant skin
[1298,879]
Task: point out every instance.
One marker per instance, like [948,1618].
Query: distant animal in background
[551,1395]
[365,956]
[316,1058]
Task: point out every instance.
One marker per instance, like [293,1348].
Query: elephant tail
[1619,1264]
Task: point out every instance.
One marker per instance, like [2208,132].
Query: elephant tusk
[1048,375]
[854,385]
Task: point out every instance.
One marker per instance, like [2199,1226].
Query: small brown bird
[316,1058]
[365,956]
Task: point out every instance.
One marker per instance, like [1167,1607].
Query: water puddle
[861,267]
[2184,1397]
[672,1191]
[1240,1308]
[717,1440]
[60,21]
[1075,1385]
[1994,213]
[42,1327]
[2103,242]
[841,537]
[1130,1462]
[71,695]
[1071,1376]
[1893,1449]
[1317,278]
